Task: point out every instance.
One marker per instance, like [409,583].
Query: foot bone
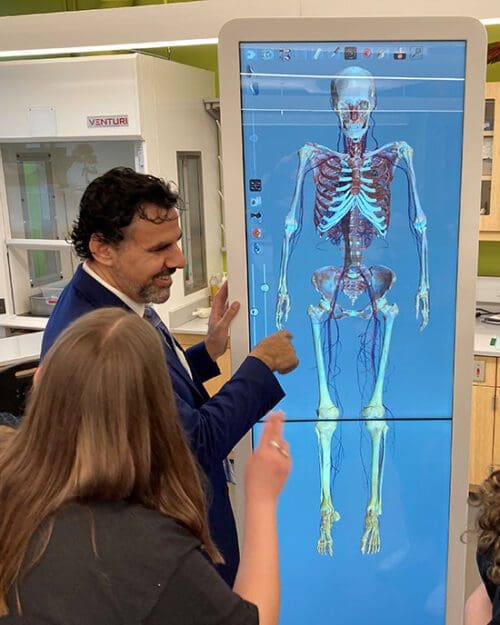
[325,543]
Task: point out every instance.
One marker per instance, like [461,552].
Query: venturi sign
[106,121]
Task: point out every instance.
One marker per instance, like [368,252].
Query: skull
[353,99]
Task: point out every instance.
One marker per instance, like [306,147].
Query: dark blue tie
[154,319]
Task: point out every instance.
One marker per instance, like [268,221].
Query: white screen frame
[371,29]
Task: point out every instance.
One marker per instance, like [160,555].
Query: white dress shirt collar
[135,306]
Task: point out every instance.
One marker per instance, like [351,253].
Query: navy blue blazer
[213,424]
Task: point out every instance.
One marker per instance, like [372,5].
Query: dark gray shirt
[122,564]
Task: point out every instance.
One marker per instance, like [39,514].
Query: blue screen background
[285,95]
[406,581]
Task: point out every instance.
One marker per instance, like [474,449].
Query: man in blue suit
[127,234]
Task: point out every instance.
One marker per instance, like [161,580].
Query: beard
[153,294]
[148,293]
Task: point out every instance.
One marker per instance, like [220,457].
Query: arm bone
[419,227]
[292,223]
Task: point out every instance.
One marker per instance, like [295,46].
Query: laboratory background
[87,85]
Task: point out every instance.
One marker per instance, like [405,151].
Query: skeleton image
[352,206]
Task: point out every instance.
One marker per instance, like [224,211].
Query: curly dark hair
[488,522]
[111,201]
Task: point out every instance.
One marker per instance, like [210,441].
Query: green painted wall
[199,56]
[489,251]
[489,259]
[25,7]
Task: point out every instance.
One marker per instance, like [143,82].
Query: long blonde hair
[100,424]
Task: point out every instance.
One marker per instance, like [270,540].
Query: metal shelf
[39,244]
[212,107]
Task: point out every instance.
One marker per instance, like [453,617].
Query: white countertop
[482,337]
[25,322]
[19,348]
[196,326]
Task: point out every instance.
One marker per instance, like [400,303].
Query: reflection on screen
[352,166]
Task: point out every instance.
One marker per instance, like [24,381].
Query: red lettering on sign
[106,121]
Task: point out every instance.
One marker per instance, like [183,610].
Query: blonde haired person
[103,514]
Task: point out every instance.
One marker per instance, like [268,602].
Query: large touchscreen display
[352,170]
